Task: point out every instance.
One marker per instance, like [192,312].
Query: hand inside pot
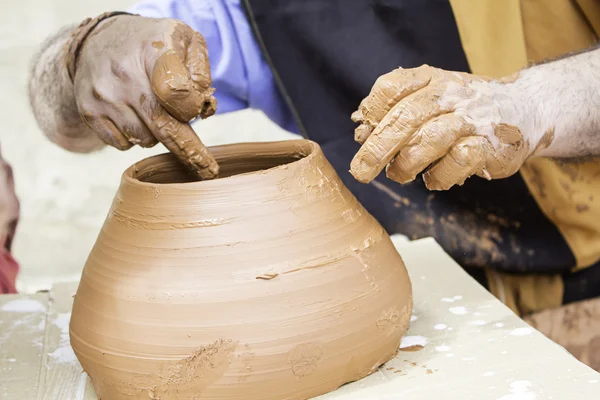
[139,81]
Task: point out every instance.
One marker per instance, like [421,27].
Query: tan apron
[500,37]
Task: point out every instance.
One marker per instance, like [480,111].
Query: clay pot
[270,282]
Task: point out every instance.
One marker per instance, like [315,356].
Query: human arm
[52,97]
[240,74]
[455,125]
[131,80]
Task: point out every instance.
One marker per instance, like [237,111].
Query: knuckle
[119,71]
[148,105]
[131,134]
[469,150]
[117,136]
[427,69]
[172,129]
[168,128]
[430,131]
[170,23]
[99,94]
[454,124]
[408,116]
[181,33]
[413,153]
[383,81]
[463,151]
[181,25]
[96,94]
[86,114]
[199,37]
[121,143]
[143,137]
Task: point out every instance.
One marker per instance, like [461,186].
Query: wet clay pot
[270,282]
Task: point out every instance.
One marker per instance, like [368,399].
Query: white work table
[473,346]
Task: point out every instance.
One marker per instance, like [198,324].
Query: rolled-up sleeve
[241,76]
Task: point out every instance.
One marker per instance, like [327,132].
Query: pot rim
[300,150]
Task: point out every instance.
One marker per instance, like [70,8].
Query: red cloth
[9,218]
[9,268]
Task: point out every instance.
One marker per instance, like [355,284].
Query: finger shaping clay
[269,282]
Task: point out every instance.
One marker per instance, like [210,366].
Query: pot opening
[233,160]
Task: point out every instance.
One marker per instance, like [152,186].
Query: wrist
[519,107]
[75,44]
[560,102]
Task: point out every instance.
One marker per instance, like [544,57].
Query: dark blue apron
[327,54]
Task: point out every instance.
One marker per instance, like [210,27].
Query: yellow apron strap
[483,24]
[526,294]
[554,28]
[499,38]
[566,193]
[493,39]
[591,10]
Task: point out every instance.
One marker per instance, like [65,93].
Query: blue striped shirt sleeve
[241,76]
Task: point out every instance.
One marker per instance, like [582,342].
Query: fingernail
[209,172]
[214,168]
[209,107]
[362,133]
[397,175]
[357,116]
[486,174]
[359,171]
[431,184]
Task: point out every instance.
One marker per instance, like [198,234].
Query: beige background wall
[65,197]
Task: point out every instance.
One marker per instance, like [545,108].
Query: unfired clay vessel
[270,282]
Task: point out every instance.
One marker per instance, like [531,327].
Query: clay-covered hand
[141,80]
[456,124]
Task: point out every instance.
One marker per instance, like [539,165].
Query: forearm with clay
[561,101]
[452,125]
[53,100]
[126,80]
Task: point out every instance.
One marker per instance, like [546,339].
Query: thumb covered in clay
[139,81]
[181,77]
